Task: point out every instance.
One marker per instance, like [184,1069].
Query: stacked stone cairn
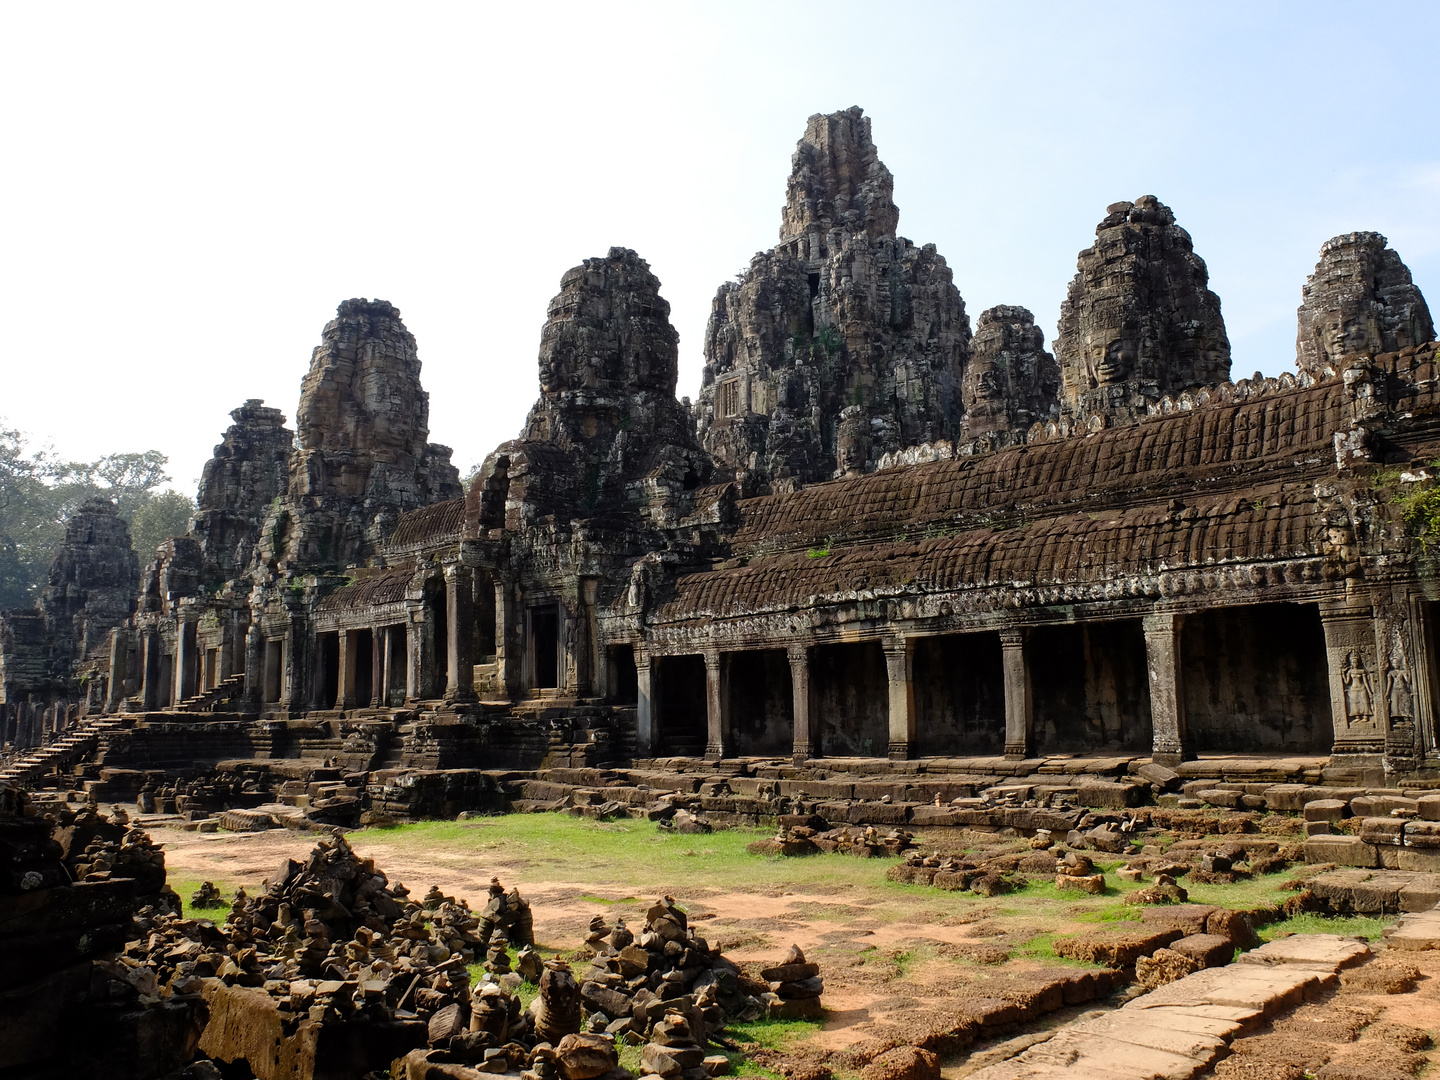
[954,874]
[795,988]
[634,980]
[811,835]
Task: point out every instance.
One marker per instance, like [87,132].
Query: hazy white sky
[190,189]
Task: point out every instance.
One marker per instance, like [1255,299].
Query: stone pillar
[804,743]
[291,669]
[149,667]
[507,652]
[255,673]
[717,706]
[899,667]
[1357,694]
[459,636]
[345,696]
[119,651]
[379,665]
[184,662]
[645,714]
[414,631]
[1019,695]
[1167,689]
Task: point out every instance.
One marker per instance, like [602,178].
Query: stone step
[1181,1029]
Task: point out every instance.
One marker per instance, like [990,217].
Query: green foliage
[823,550]
[827,340]
[1369,927]
[157,519]
[39,492]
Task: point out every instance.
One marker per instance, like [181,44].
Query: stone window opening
[730,398]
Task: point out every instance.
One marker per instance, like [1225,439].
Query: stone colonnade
[1376,656]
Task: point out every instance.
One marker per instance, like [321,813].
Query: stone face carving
[1011,381]
[1360,301]
[607,431]
[1139,321]
[93,577]
[841,344]
[249,471]
[361,456]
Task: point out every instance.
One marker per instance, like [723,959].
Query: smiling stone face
[1360,301]
[1139,321]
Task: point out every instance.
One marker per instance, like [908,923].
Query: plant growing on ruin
[827,338]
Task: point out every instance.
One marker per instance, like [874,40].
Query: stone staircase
[222,693]
[72,747]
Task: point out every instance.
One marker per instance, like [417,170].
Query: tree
[39,492]
[157,518]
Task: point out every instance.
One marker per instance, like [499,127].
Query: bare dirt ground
[887,952]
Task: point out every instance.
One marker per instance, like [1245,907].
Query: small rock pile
[207,896]
[815,837]
[633,981]
[955,874]
[795,988]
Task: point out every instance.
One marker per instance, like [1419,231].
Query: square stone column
[799,657]
[1019,696]
[507,645]
[150,669]
[645,712]
[184,669]
[414,632]
[386,666]
[377,666]
[459,634]
[899,669]
[119,653]
[346,697]
[717,706]
[1357,693]
[1170,733]
[255,673]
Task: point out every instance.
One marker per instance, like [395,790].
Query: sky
[189,190]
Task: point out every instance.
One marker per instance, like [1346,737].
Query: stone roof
[372,591]
[433,524]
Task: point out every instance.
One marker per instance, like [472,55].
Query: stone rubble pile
[635,979]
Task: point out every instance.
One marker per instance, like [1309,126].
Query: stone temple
[880,534]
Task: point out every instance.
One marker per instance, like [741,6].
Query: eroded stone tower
[1360,301]
[93,577]
[361,456]
[1011,382]
[248,472]
[1139,321]
[842,343]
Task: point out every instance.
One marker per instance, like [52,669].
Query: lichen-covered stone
[1011,382]
[1360,301]
[1139,321]
[248,472]
[841,344]
[361,456]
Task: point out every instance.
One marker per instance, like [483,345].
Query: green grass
[1042,947]
[774,1034]
[635,856]
[186,888]
[1367,926]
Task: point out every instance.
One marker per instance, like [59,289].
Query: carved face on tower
[1117,362]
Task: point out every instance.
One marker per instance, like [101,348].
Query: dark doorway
[850,693]
[274,661]
[762,706]
[959,695]
[681,711]
[364,667]
[545,646]
[1257,678]
[1092,687]
[623,678]
[327,648]
[484,618]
